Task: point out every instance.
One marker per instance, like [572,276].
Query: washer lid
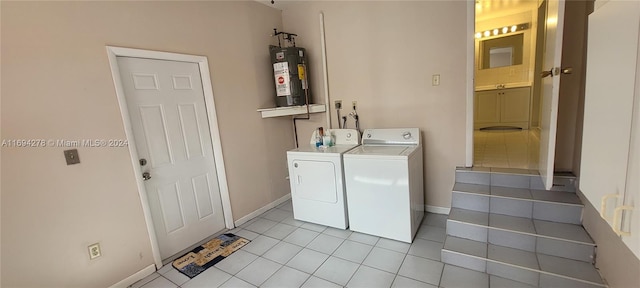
[393,150]
[396,136]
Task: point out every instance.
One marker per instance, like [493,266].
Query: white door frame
[470,88]
[203,64]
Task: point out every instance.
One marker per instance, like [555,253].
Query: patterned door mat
[207,255]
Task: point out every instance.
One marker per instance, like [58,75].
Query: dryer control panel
[395,136]
[341,136]
[346,136]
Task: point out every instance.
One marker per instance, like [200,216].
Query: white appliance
[317,181]
[384,184]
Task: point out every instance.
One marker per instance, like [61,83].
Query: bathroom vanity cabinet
[502,107]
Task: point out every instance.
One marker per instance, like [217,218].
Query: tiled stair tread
[564,175]
[514,171]
[562,230]
[498,282]
[514,178]
[549,229]
[468,216]
[524,259]
[568,267]
[519,193]
[472,188]
[474,169]
[498,170]
[465,246]
[513,256]
[512,223]
[556,196]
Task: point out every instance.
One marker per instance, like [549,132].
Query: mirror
[501,52]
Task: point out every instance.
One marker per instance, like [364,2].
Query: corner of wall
[617,264]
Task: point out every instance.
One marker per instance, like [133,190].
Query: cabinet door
[609,93]
[515,105]
[487,107]
[631,219]
[609,163]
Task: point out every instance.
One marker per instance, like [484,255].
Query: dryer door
[315,180]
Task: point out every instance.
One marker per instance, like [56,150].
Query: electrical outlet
[94,251]
[71,156]
[338,104]
[435,80]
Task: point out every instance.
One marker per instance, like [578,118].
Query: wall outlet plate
[71,156]
[94,251]
[435,80]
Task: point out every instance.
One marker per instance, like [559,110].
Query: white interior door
[550,89]
[166,105]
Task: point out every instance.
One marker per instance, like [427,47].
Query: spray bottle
[327,139]
[319,134]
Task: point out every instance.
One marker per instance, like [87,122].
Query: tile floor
[506,148]
[288,253]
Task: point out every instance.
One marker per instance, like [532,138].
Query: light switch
[71,156]
[435,80]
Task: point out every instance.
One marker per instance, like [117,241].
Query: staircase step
[499,282]
[516,178]
[523,266]
[522,202]
[552,238]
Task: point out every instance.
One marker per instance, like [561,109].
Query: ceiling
[278,4]
[487,9]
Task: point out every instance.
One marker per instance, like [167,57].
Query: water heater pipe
[323,45]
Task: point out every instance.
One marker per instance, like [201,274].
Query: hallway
[506,148]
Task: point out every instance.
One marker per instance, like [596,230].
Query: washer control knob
[348,135]
[406,135]
[369,135]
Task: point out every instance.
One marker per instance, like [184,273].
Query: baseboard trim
[437,209]
[264,208]
[135,277]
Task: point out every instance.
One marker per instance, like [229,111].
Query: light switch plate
[71,156]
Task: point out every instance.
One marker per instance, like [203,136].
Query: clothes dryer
[317,180]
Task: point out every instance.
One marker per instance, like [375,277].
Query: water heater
[290,75]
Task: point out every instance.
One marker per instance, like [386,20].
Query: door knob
[146,176]
[567,70]
[555,71]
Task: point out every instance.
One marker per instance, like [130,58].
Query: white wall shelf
[292,110]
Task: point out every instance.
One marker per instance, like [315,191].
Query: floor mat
[210,253]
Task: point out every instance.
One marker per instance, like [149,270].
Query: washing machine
[384,183]
[317,180]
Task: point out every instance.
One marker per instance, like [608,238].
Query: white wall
[56,84]
[383,54]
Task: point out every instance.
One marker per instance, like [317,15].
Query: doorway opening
[506,122]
